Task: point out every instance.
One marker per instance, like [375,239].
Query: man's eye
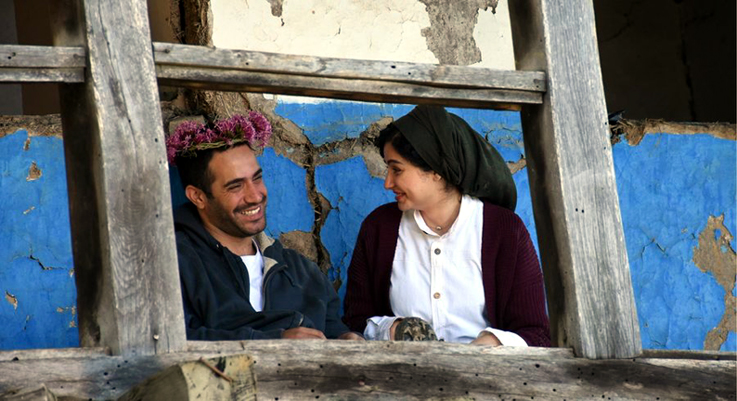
[234,188]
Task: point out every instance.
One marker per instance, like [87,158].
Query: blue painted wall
[668,186]
[38,297]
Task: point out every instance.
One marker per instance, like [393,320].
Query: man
[237,283]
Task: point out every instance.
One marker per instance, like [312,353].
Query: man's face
[238,203]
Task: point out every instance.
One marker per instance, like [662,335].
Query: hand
[394,328]
[351,336]
[303,333]
[487,338]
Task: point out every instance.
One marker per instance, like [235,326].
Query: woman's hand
[394,328]
[351,336]
[487,338]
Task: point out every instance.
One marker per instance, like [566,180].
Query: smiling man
[238,283]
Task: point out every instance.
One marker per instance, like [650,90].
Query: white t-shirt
[255,266]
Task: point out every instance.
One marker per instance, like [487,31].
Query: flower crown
[191,136]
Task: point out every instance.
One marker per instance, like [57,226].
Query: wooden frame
[123,242]
[128,292]
[334,369]
[572,184]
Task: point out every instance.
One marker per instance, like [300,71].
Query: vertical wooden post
[572,181]
[125,260]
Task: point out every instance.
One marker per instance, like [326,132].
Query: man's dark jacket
[215,288]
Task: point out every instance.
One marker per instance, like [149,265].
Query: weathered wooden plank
[52,353]
[572,181]
[395,370]
[373,70]
[339,88]
[128,293]
[20,75]
[21,56]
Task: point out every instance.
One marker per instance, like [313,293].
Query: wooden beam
[572,181]
[452,76]
[200,67]
[41,64]
[128,293]
[21,75]
[21,56]
[395,370]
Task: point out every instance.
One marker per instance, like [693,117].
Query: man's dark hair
[195,169]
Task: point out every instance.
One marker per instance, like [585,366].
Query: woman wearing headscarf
[449,259]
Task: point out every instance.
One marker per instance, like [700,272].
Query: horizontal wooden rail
[368,80]
[41,64]
[392,370]
[202,67]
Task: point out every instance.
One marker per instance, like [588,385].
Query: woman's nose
[388,182]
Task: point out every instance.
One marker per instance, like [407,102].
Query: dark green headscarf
[459,154]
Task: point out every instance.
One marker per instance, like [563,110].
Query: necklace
[438,228]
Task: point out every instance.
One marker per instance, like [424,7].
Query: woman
[451,250]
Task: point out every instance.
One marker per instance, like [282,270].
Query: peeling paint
[301,242]
[48,125]
[276,7]
[714,254]
[12,300]
[34,172]
[450,35]
[635,130]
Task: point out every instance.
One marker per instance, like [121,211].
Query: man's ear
[436,176]
[196,196]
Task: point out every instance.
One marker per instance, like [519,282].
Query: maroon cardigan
[513,283]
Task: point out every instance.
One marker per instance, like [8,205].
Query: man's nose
[388,181]
[252,193]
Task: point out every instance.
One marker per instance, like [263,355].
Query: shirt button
[437,251]
[436,295]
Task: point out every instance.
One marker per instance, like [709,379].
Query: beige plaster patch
[450,35]
[715,255]
[34,172]
[11,300]
[635,130]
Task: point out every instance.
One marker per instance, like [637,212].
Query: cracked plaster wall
[38,307]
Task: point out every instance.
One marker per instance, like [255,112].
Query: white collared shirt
[438,278]
[255,266]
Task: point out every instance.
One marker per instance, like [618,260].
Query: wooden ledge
[340,369]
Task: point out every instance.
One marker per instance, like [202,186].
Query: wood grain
[394,370]
[372,70]
[572,182]
[20,75]
[128,292]
[22,56]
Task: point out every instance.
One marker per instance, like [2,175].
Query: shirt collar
[463,215]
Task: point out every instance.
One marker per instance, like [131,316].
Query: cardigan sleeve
[369,273]
[526,313]
[359,302]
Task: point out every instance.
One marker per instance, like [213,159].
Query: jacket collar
[186,218]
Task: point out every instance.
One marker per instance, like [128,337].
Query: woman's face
[414,188]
